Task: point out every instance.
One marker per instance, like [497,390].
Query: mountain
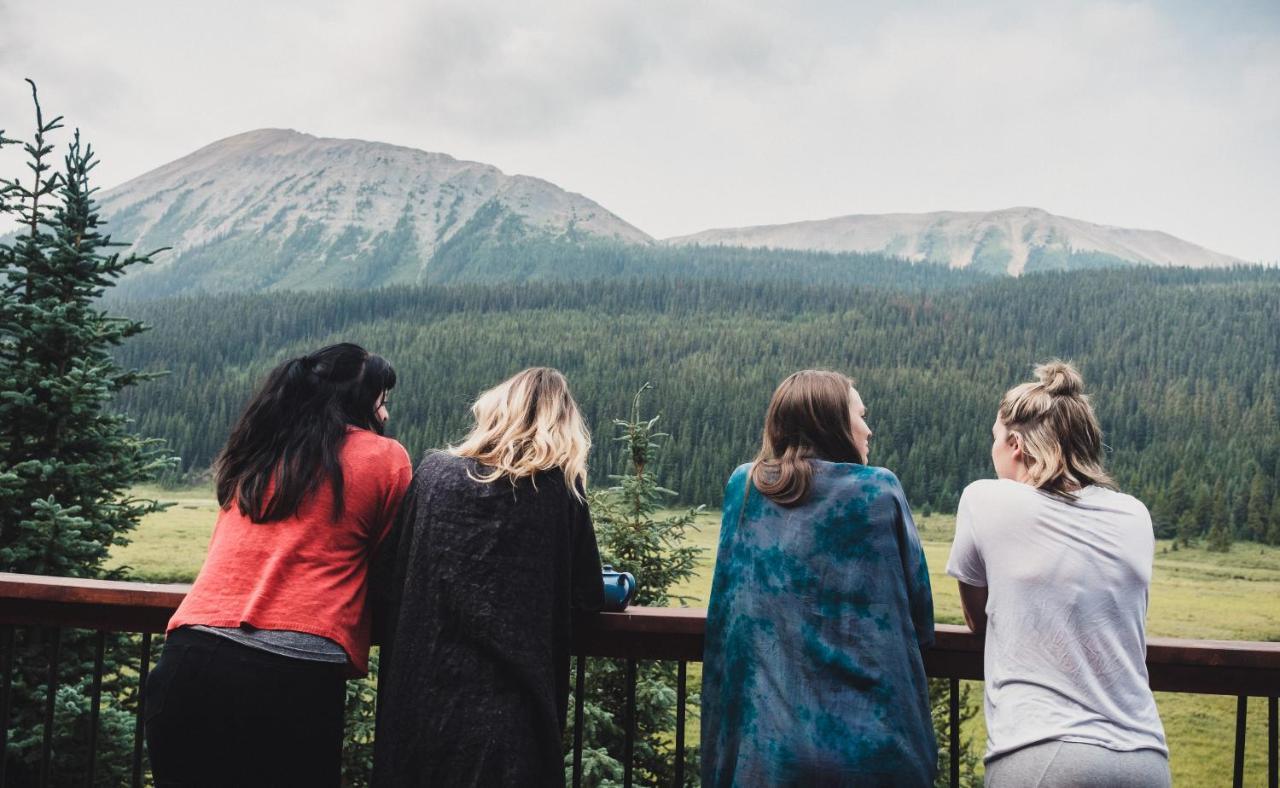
[1013,241]
[278,209]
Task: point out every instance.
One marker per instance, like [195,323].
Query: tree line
[1182,366]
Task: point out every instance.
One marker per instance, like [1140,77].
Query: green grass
[169,546]
[1194,594]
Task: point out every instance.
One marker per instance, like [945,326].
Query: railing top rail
[1210,666]
[112,593]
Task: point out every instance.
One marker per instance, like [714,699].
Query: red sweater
[306,573]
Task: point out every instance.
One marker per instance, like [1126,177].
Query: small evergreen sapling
[636,536]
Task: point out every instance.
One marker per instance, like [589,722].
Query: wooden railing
[1218,667]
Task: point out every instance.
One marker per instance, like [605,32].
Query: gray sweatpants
[1063,764]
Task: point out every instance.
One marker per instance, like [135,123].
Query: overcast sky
[680,116]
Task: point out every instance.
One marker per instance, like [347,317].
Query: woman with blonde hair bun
[1054,565]
[491,557]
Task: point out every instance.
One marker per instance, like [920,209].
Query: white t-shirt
[1067,591]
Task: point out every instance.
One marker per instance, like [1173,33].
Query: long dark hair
[288,440]
[809,419]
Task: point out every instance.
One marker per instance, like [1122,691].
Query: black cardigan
[474,593]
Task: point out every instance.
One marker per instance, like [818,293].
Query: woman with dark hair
[250,687]
[820,605]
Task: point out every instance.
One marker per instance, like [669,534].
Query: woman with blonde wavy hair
[492,556]
[1054,564]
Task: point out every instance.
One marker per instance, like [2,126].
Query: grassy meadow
[1194,594]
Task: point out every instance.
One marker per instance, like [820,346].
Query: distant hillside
[276,209]
[1013,241]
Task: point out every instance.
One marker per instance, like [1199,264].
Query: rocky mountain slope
[1013,241]
[277,209]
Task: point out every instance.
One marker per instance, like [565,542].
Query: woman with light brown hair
[1054,564]
[819,608]
[491,557]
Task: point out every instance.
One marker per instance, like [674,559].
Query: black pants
[219,713]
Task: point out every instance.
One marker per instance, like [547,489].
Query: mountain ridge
[323,212]
[279,209]
[1005,240]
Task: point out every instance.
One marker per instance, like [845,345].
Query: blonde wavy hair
[1060,434]
[526,424]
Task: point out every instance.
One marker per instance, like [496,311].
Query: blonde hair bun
[1061,437]
[1060,378]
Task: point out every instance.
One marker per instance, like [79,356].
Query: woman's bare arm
[973,599]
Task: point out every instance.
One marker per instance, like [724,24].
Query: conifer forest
[1181,364]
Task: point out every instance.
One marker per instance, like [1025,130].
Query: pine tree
[70,461]
[1220,525]
[1170,506]
[1256,517]
[1201,511]
[1188,529]
[67,461]
[634,537]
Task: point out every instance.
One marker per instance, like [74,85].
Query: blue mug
[619,589]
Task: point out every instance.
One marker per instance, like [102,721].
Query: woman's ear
[1015,442]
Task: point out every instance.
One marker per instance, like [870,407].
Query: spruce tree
[1256,516]
[1202,511]
[635,536]
[1188,529]
[1169,507]
[1220,525]
[67,461]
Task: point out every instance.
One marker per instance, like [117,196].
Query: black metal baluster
[6,654]
[1273,758]
[629,744]
[953,732]
[95,703]
[579,704]
[142,707]
[681,693]
[46,747]
[1242,711]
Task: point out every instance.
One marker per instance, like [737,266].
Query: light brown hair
[526,424]
[1060,434]
[809,418]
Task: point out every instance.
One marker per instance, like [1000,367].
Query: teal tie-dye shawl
[812,671]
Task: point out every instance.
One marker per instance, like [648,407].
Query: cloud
[679,116]
[496,69]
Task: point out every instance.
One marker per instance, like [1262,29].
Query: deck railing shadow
[1243,669]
